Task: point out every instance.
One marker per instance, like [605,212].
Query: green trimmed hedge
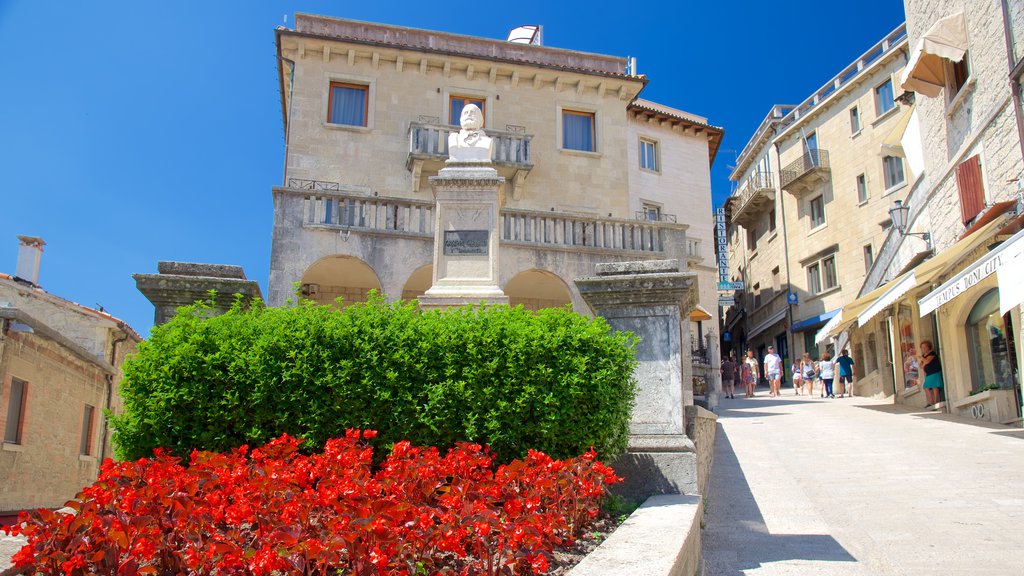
[552,380]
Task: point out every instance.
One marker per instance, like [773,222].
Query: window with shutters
[971,187]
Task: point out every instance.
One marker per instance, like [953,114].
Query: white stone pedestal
[465,237]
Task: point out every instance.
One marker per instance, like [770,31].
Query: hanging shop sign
[723,245]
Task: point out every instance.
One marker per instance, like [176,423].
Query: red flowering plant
[275,510]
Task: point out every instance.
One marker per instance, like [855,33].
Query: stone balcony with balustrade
[331,206]
[428,150]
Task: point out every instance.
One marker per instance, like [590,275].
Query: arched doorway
[335,277]
[536,289]
[418,282]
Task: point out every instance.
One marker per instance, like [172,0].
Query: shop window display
[986,336]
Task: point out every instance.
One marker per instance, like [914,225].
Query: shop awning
[897,288]
[945,41]
[893,143]
[767,323]
[813,321]
[853,310]
[931,269]
[1001,257]
[700,314]
[826,330]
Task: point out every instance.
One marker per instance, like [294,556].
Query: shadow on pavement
[736,538]
[1000,429]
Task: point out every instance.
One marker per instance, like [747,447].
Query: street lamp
[899,214]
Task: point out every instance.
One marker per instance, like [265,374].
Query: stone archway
[332,277]
[418,283]
[536,289]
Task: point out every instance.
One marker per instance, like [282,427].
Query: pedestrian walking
[751,373]
[798,378]
[729,375]
[773,371]
[845,364]
[807,371]
[827,372]
[932,373]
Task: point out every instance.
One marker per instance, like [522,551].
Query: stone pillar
[653,300]
[182,283]
[465,237]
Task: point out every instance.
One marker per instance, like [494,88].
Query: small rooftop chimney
[29,253]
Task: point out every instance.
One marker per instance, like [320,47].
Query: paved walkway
[859,487]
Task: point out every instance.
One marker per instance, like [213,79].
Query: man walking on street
[845,373]
[773,371]
[729,375]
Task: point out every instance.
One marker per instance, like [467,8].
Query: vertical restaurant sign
[723,245]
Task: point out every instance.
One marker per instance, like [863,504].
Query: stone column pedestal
[653,300]
[465,237]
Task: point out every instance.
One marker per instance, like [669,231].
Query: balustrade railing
[370,213]
[431,140]
[756,183]
[552,229]
[811,160]
[555,229]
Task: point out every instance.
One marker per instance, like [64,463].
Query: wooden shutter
[972,191]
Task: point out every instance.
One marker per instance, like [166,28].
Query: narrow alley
[855,486]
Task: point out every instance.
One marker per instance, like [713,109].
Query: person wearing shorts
[773,371]
[750,373]
[729,376]
[807,370]
[827,371]
[845,364]
[932,373]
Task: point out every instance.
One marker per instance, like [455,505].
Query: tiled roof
[371,33]
[715,133]
[120,323]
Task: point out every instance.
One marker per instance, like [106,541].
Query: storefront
[965,301]
[978,327]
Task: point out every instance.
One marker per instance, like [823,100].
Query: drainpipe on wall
[785,252]
[1016,70]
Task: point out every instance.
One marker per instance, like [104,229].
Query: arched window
[987,345]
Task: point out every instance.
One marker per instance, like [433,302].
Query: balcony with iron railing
[428,150]
[806,172]
[753,198]
[326,205]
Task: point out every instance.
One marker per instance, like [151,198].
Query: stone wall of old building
[47,467]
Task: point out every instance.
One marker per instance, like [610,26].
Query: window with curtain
[884,98]
[814,278]
[578,131]
[457,103]
[829,277]
[15,412]
[348,104]
[892,167]
[817,211]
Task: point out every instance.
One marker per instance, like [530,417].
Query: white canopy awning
[826,330]
[899,288]
[926,71]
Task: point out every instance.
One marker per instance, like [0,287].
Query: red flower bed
[275,510]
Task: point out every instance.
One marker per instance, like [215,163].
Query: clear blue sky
[141,131]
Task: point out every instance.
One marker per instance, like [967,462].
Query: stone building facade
[953,286]
[60,368]
[592,173]
[813,188]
